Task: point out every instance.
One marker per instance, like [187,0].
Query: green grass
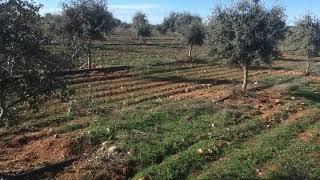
[154,138]
[276,80]
[72,127]
[243,161]
[309,92]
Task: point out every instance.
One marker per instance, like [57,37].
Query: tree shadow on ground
[277,68]
[295,60]
[307,94]
[290,173]
[185,62]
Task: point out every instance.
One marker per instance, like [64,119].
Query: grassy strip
[179,166]
[153,136]
[276,79]
[241,163]
[299,160]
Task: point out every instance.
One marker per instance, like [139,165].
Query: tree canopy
[141,25]
[169,23]
[305,38]
[246,32]
[26,66]
[89,20]
[190,29]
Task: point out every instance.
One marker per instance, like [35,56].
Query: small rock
[104,144]
[199,151]
[278,102]
[293,98]
[56,136]
[113,149]
[256,83]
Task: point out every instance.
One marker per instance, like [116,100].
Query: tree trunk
[308,66]
[190,52]
[139,39]
[245,78]
[89,56]
[2,104]
[270,68]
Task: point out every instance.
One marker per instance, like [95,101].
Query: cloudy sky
[158,9]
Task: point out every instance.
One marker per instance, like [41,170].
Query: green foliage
[169,23]
[26,66]
[52,25]
[99,132]
[141,25]
[246,32]
[305,36]
[89,19]
[190,28]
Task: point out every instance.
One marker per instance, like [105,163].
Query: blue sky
[157,9]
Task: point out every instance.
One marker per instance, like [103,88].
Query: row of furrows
[98,78]
[189,72]
[114,84]
[108,88]
[70,77]
[90,81]
[111,85]
[118,87]
[166,94]
[125,90]
[146,88]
